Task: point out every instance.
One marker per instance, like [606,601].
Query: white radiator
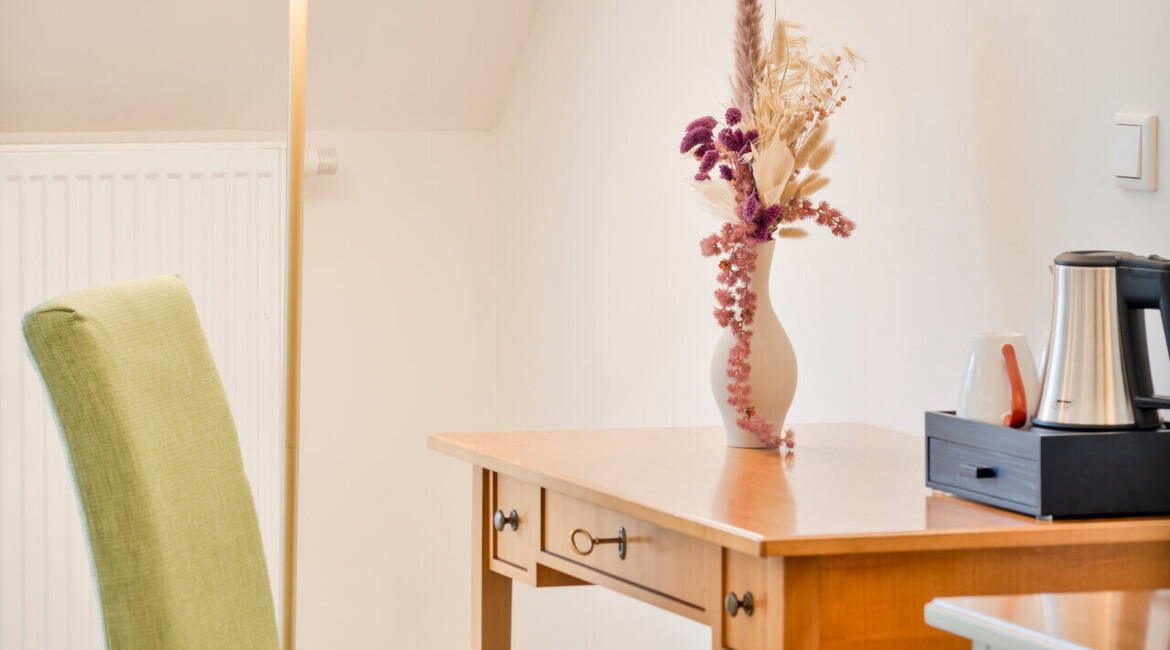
[77,216]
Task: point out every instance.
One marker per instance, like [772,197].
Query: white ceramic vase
[773,361]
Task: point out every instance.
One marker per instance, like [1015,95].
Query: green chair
[172,529]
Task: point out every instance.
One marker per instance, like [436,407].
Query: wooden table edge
[733,538]
[1042,534]
[951,539]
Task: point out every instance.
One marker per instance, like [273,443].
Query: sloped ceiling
[163,65]
[142,65]
[426,64]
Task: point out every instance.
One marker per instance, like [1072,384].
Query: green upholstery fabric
[172,528]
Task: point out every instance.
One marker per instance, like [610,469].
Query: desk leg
[796,623]
[786,592]
[491,593]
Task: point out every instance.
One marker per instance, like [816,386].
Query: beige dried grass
[810,184]
[822,155]
[795,94]
[811,143]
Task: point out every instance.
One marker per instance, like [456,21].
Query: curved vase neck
[759,281]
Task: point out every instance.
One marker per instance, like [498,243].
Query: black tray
[1049,473]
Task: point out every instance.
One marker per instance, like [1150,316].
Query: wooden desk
[840,545]
[1100,620]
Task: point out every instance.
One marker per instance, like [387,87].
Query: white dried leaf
[717,198]
[773,167]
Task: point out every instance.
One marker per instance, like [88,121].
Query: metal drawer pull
[620,540]
[733,604]
[976,471]
[499,520]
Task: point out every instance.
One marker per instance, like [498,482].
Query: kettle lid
[1112,259]
[1092,258]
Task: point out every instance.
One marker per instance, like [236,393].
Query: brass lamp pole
[298,31]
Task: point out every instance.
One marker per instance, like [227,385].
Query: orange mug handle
[1019,414]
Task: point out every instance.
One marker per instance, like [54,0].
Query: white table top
[1105,620]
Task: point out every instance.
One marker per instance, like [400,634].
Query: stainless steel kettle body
[1097,373]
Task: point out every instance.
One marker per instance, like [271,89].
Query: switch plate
[1127,157]
[1135,137]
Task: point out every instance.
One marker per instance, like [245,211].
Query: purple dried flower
[726,172]
[708,162]
[750,205]
[769,216]
[733,139]
[695,137]
[727,137]
[746,141]
[704,122]
[733,116]
[761,233]
[703,149]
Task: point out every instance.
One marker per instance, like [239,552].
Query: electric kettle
[1097,373]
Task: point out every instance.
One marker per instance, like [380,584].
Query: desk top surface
[847,488]
[1106,620]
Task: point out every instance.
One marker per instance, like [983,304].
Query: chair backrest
[173,534]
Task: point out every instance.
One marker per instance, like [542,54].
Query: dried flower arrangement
[770,157]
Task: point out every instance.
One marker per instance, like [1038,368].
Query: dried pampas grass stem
[749,55]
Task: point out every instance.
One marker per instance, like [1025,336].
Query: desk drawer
[657,559]
[745,580]
[1002,476]
[516,542]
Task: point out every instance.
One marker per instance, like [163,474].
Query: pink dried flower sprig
[735,309]
[823,214]
[788,440]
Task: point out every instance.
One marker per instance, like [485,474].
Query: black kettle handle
[1143,287]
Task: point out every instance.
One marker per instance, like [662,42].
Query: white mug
[986,394]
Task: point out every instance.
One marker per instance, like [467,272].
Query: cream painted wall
[975,147]
[399,337]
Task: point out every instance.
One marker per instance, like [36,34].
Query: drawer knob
[499,520]
[620,540]
[733,604]
[976,471]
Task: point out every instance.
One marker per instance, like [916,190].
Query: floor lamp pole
[298,31]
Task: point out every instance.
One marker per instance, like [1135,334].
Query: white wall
[975,146]
[399,335]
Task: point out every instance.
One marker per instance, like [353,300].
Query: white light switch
[1135,141]
[1128,158]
